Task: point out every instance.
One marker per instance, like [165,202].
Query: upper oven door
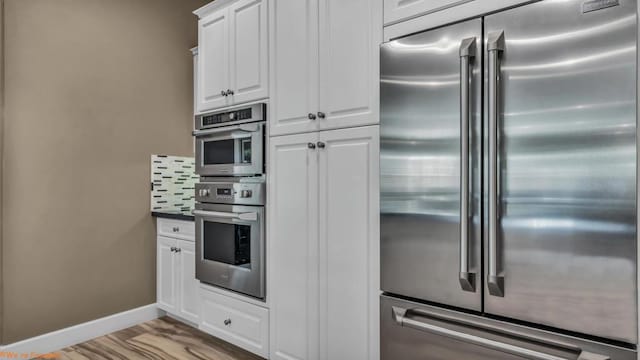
[230,247]
[230,151]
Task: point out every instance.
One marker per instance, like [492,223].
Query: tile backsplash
[173,181]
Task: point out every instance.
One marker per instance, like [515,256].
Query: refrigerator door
[430,145]
[412,331]
[561,166]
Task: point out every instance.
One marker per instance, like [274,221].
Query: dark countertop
[176,215]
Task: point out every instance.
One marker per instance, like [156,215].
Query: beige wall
[92,89]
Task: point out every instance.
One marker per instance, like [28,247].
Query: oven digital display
[224,192]
[213,119]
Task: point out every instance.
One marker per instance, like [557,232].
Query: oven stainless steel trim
[258,113]
[235,278]
[253,131]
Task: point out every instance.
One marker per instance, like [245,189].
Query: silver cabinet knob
[230,92]
[311,146]
[173,249]
[223,93]
[178,250]
[176,229]
[227,322]
[312,116]
[321,145]
[322,115]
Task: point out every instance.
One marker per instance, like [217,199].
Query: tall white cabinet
[324,64]
[233,53]
[324,245]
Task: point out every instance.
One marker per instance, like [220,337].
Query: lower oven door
[412,331]
[231,150]
[230,247]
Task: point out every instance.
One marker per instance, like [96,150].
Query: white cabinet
[166,270]
[233,54]
[398,10]
[294,65]
[293,247]
[238,322]
[350,36]
[177,287]
[349,244]
[323,245]
[213,60]
[249,68]
[324,64]
[187,284]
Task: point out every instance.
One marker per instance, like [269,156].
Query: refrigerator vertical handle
[467,53]
[495,45]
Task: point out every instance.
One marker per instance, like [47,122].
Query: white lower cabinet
[323,245]
[177,287]
[240,323]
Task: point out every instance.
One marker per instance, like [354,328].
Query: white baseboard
[76,334]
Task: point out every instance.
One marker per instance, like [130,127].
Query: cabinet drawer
[185,230]
[240,323]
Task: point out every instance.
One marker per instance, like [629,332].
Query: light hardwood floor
[160,339]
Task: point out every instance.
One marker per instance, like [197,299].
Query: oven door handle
[250,216]
[250,128]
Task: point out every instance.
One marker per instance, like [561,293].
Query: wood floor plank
[160,339]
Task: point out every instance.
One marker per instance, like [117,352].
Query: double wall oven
[230,199]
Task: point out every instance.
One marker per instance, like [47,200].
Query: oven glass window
[227,243]
[224,152]
[219,152]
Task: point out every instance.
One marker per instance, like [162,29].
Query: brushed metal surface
[567,167]
[413,331]
[420,166]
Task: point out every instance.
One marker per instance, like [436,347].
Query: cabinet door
[293,247]
[349,244]
[398,10]
[249,51]
[213,60]
[166,274]
[188,306]
[350,36]
[293,66]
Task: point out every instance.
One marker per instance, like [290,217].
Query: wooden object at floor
[160,339]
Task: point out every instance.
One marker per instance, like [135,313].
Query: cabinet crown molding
[211,7]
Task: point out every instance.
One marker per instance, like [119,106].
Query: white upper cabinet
[232,54]
[213,60]
[249,68]
[294,66]
[398,10]
[324,65]
[350,36]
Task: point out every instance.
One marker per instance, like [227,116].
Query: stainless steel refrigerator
[508,186]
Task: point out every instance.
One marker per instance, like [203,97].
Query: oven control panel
[230,193]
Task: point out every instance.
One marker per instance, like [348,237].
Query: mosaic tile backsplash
[173,181]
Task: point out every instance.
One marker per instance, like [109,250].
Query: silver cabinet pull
[322,115]
[311,146]
[311,116]
[495,46]
[400,317]
[223,93]
[321,145]
[178,250]
[227,322]
[173,249]
[467,53]
[229,92]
